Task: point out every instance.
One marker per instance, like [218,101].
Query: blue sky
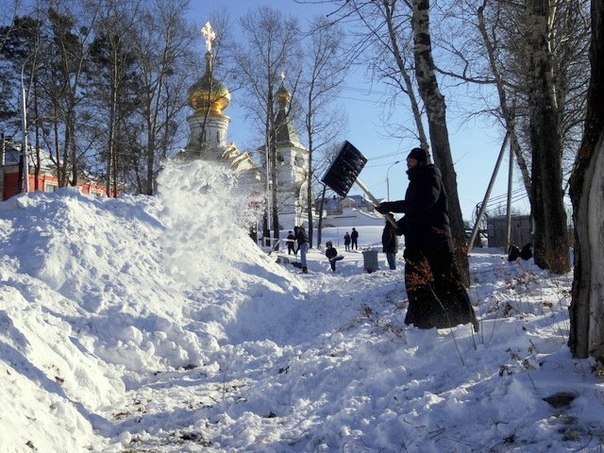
[474,146]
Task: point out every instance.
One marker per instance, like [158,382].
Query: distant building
[336,205]
[208,140]
[46,179]
[292,166]
[520,230]
[349,211]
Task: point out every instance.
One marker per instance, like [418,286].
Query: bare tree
[163,44]
[112,80]
[386,27]
[324,74]
[586,310]
[550,236]
[434,103]
[71,24]
[507,32]
[271,47]
[503,85]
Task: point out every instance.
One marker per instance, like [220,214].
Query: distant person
[303,244]
[332,255]
[291,243]
[513,252]
[437,297]
[347,241]
[354,237]
[390,244]
[526,253]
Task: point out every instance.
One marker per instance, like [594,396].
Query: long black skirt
[437,298]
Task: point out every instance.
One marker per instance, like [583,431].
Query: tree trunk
[320,223]
[586,309]
[434,103]
[550,237]
[275,198]
[408,83]
[309,197]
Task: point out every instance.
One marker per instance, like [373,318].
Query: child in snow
[332,255]
[291,243]
[347,241]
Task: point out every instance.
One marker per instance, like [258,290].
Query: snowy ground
[156,325]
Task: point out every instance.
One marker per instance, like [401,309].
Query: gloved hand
[383,208]
[401,226]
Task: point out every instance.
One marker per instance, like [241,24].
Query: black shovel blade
[345,169]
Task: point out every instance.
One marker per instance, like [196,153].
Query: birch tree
[387,26]
[324,74]
[587,310]
[271,47]
[435,105]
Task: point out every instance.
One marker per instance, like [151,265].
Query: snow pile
[156,324]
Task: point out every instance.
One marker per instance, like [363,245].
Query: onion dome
[208,95]
[283,96]
[286,132]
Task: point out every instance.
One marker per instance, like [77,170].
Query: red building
[46,180]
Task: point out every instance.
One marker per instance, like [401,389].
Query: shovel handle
[374,200]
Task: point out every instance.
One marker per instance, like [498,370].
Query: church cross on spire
[209,35]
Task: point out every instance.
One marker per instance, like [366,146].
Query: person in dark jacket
[437,297]
[390,244]
[303,244]
[347,241]
[291,243]
[354,237]
[332,255]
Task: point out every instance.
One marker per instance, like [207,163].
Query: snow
[155,324]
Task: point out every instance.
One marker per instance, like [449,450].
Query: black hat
[419,154]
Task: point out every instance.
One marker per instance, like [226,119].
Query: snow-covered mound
[93,288]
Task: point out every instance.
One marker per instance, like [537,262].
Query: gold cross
[209,35]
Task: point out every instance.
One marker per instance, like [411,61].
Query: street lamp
[388,180]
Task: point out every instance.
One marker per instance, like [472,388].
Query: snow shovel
[343,172]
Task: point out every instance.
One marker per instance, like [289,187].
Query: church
[208,140]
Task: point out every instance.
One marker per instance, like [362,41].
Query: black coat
[331,253]
[290,241]
[436,296]
[426,221]
[389,239]
[301,236]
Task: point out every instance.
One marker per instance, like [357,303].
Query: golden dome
[283,96]
[208,95]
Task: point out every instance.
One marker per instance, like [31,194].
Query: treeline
[105,86]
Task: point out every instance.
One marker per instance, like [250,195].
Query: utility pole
[24,167]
